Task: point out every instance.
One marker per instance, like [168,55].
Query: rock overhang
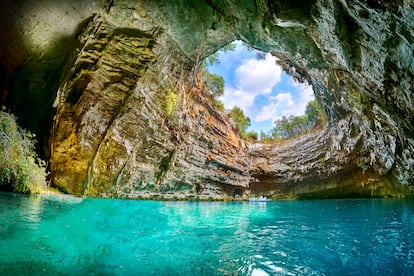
[356,54]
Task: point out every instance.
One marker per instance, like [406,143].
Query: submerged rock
[133,117]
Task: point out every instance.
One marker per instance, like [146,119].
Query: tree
[294,125]
[264,136]
[215,84]
[314,113]
[240,119]
[298,124]
[283,128]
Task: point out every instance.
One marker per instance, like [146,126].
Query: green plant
[213,58]
[215,84]
[219,104]
[322,162]
[240,119]
[170,101]
[252,136]
[296,125]
[20,169]
[363,165]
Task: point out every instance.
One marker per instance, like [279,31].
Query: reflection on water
[46,235]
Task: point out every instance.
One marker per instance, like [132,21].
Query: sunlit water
[71,236]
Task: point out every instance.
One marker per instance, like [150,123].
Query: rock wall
[133,117]
[131,121]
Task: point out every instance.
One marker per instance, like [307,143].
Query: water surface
[49,235]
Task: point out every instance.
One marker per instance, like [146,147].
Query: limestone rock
[133,117]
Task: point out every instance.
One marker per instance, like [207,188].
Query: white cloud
[258,76]
[284,98]
[281,105]
[306,95]
[284,104]
[234,97]
[252,78]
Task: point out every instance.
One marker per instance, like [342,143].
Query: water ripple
[90,236]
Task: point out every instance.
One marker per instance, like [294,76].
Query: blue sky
[259,87]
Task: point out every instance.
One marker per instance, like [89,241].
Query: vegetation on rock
[295,125]
[170,101]
[242,122]
[215,83]
[20,169]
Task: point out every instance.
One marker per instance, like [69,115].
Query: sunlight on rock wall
[119,132]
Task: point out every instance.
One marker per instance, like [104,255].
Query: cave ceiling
[95,80]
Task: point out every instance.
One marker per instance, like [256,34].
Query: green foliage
[322,162]
[283,128]
[240,119]
[215,84]
[362,164]
[213,58]
[294,125]
[170,101]
[315,114]
[312,112]
[264,136]
[20,169]
[251,135]
[219,104]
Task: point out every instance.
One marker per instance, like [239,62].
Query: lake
[65,235]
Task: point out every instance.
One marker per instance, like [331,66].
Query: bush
[252,136]
[19,171]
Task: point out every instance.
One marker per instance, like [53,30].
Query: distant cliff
[132,117]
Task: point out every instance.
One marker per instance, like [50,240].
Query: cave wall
[367,147]
[133,119]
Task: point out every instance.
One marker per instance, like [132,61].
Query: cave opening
[271,102]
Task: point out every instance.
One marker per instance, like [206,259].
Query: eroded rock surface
[133,117]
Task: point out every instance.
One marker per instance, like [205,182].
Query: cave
[114,91]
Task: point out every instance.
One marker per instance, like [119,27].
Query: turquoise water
[71,236]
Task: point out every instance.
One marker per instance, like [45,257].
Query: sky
[259,87]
